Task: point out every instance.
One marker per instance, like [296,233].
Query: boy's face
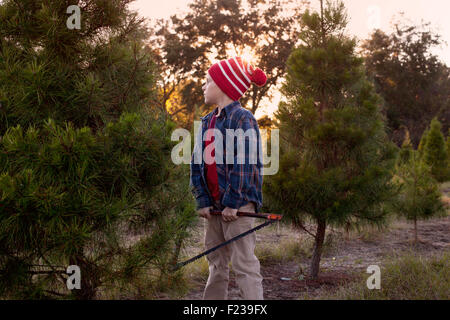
[211,91]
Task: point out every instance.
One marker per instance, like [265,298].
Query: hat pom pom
[259,77]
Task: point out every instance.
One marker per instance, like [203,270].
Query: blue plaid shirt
[239,183]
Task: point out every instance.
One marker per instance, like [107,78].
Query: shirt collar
[227,109]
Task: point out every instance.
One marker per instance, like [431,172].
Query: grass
[286,250]
[295,246]
[197,270]
[399,274]
[405,277]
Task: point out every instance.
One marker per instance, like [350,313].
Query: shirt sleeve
[196,183]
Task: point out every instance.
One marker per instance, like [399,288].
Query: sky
[364,16]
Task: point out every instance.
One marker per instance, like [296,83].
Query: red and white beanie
[234,76]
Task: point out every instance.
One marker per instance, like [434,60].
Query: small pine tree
[435,153]
[337,169]
[420,197]
[406,149]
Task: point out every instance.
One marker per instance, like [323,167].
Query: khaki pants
[241,254]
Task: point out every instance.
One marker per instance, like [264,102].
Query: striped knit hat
[234,76]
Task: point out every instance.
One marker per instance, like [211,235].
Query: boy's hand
[204,212]
[229,214]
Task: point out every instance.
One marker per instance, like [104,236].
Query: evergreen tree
[337,167]
[435,153]
[83,159]
[407,148]
[414,83]
[420,197]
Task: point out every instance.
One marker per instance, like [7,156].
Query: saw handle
[267,216]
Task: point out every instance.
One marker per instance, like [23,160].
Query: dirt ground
[341,262]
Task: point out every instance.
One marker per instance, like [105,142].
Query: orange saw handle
[267,216]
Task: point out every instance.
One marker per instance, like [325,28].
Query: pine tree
[337,168]
[406,149]
[83,158]
[420,197]
[435,153]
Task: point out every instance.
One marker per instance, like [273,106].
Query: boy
[229,186]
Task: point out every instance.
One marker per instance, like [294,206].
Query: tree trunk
[347,231]
[318,244]
[178,244]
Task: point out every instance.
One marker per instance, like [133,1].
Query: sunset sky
[363,15]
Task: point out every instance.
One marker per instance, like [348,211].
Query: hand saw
[270,217]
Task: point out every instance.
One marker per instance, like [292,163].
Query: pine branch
[50,265]
[368,218]
[301,226]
